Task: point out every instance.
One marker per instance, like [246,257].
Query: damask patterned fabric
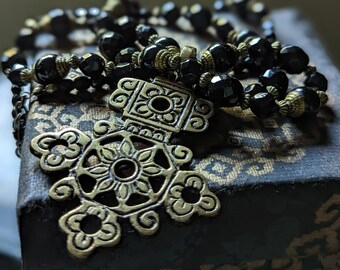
[277,181]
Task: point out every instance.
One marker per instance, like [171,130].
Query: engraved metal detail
[130,171]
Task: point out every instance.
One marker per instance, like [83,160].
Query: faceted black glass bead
[293,59]
[240,7]
[132,8]
[82,83]
[125,55]
[244,35]
[111,43]
[11,57]
[46,70]
[26,39]
[92,65]
[148,56]
[254,89]
[263,105]
[80,12]
[170,12]
[14,75]
[166,42]
[60,23]
[311,98]
[261,56]
[225,57]
[145,13]
[223,27]
[278,78]
[127,28]
[199,17]
[93,12]
[224,91]
[121,71]
[317,80]
[144,33]
[190,72]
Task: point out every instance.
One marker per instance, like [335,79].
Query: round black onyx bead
[190,72]
[166,42]
[293,59]
[170,12]
[92,65]
[104,21]
[225,57]
[148,56]
[110,43]
[15,75]
[278,78]
[224,91]
[60,23]
[260,56]
[144,33]
[317,80]
[46,70]
[127,27]
[223,27]
[199,17]
[311,98]
[10,58]
[263,105]
[125,55]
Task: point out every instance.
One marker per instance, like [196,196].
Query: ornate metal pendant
[129,172]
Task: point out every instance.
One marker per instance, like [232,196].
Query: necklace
[161,90]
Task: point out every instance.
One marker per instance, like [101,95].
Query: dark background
[324,15]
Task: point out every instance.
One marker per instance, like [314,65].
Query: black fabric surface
[277,181]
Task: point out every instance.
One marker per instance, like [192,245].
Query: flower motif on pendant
[189,195]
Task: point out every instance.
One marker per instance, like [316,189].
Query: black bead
[293,59]
[244,35]
[311,98]
[145,13]
[278,78]
[166,42]
[46,70]
[26,39]
[261,56]
[80,12]
[93,12]
[121,71]
[125,55]
[60,23]
[132,8]
[254,89]
[92,65]
[11,57]
[199,17]
[317,80]
[127,26]
[14,75]
[82,83]
[104,21]
[263,105]
[148,56]
[225,57]
[241,7]
[190,72]
[144,33]
[170,12]
[110,43]
[257,11]
[223,27]
[224,91]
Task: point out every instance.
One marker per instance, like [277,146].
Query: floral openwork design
[128,172]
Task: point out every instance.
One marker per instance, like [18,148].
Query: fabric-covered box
[277,180]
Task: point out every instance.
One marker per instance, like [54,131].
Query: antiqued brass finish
[130,171]
[208,62]
[296,103]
